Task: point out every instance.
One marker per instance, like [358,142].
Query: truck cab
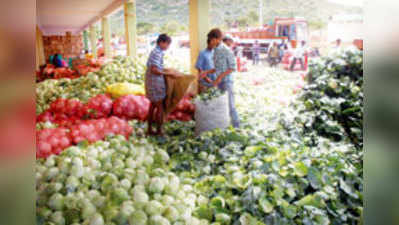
[291,29]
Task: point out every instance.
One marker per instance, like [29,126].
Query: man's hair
[215,33]
[164,38]
[208,41]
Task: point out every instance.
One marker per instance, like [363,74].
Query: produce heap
[266,172]
[113,182]
[271,173]
[332,104]
[265,178]
[74,117]
[50,72]
[83,88]
[121,69]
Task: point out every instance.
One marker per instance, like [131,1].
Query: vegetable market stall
[296,160]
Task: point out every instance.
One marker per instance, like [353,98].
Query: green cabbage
[56,201]
[57,218]
[171,214]
[97,219]
[156,185]
[154,207]
[158,220]
[138,217]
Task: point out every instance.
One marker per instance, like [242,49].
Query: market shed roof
[55,17]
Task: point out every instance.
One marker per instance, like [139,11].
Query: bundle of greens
[209,94]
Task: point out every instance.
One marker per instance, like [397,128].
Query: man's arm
[221,76]
[199,73]
[206,72]
[168,72]
[206,78]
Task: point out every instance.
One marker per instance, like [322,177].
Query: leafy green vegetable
[209,94]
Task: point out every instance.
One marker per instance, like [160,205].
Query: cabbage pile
[113,182]
[121,69]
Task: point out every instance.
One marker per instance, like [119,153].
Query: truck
[288,29]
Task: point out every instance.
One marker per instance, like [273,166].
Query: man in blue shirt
[204,63]
[225,64]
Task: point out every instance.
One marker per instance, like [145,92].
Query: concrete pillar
[199,28]
[130,27]
[106,33]
[93,41]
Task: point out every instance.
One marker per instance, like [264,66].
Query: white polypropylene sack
[212,114]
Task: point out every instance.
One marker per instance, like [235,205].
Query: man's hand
[216,82]
[203,75]
[207,79]
[173,75]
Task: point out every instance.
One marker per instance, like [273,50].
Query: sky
[349,2]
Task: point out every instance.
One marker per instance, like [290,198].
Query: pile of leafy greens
[305,169]
[331,105]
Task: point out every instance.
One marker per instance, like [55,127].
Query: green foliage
[316,24]
[172,28]
[145,28]
[209,94]
[300,167]
[317,12]
[332,104]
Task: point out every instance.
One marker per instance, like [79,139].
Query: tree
[145,28]
[171,28]
[316,24]
[253,17]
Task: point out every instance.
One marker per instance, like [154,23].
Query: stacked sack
[184,110]
[54,140]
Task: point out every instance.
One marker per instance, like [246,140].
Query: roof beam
[110,9]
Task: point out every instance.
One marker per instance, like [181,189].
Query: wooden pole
[106,37]
[93,41]
[130,27]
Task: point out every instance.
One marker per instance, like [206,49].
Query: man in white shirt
[299,52]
